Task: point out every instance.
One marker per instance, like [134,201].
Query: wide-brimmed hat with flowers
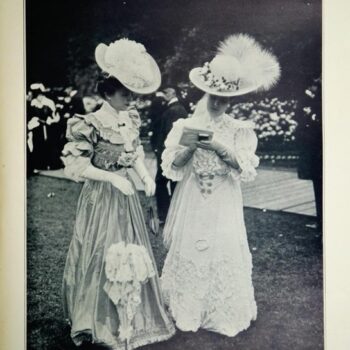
[240,66]
[129,62]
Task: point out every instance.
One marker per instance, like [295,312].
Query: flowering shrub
[274,119]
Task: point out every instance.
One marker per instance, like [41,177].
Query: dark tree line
[62,36]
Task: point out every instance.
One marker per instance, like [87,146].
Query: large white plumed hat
[129,62]
[240,66]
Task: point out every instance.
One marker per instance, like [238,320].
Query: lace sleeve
[245,147]
[79,149]
[172,148]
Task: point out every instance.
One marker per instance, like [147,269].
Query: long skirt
[106,216]
[207,275]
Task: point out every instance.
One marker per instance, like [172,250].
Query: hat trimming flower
[240,66]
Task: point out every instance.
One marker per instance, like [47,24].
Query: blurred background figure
[41,117]
[309,139]
[90,103]
[156,109]
[168,113]
[69,103]
[30,165]
[48,110]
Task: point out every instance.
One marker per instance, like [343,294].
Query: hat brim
[157,80]
[197,80]
[99,56]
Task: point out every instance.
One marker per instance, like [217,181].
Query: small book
[200,134]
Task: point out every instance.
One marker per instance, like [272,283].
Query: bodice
[207,162]
[112,157]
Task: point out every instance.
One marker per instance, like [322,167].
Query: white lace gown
[206,279]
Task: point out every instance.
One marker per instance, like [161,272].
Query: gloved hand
[122,184]
[183,157]
[150,186]
[119,182]
[225,153]
[212,145]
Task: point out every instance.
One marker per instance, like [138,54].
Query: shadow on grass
[287,277]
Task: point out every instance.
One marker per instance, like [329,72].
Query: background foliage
[181,34]
[62,36]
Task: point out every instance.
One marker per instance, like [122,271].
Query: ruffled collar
[116,127]
[112,119]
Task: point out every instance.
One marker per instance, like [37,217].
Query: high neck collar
[109,117]
[217,119]
[106,107]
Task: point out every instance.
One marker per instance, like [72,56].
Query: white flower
[274,116]
[309,93]
[127,159]
[307,110]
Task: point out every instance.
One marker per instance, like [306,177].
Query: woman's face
[217,105]
[120,99]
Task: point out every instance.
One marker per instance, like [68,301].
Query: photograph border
[336,75]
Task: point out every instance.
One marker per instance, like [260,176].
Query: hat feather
[129,62]
[259,67]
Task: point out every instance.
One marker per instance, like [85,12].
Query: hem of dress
[230,335]
[240,329]
[121,345]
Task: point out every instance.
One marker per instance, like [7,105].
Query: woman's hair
[108,86]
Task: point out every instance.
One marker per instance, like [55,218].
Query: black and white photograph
[174,175]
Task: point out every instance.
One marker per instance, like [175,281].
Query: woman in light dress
[102,145]
[207,275]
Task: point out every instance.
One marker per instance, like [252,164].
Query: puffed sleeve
[172,148]
[78,151]
[246,144]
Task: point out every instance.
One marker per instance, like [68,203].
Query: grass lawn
[287,277]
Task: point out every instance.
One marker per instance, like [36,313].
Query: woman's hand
[210,145]
[122,184]
[190,141]
[150,186]
[222,151]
